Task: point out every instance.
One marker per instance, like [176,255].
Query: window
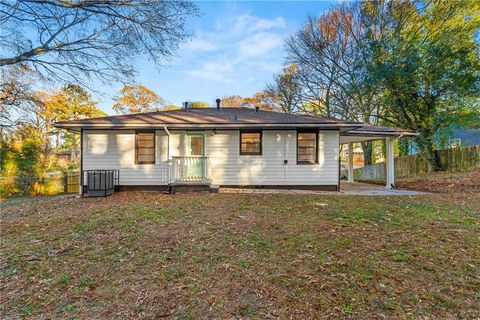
[251,143]
[145,147]
[453,143]
[307,147]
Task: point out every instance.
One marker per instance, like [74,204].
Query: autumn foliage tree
[260,100]
[26,150]
[71,102]
[413,64]
[137,99]
[199,104]
[285,93]
[234,101]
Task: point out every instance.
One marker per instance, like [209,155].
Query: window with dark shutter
[145,148]
[250,143]
[307,143]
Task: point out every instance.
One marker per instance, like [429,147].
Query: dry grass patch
[443,182]
[148,255]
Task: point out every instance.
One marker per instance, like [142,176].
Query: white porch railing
[190,169]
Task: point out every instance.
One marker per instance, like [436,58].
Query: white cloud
[259,44]
[201,45]
[217,70]
[238,47]
[248,23]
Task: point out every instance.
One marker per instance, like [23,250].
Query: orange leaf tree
[137,99]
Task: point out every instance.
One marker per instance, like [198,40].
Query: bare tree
[318,51]
[16,92]
[285,91]
[70,40]
[333,57]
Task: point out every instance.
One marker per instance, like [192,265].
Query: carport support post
[80,180]
[390,164]
[350,162]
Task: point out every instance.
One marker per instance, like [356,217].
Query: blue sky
[236,48]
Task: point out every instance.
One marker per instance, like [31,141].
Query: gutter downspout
[168,159]
[168,144]
[81,164]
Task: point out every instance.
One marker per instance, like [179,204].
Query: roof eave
[380,133]
[77,127]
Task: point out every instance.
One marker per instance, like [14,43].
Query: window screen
[251,143]
[306,147]
[145,147]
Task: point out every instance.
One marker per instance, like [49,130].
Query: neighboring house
[458,138]
[220,147]
[66,156]
[464,137]
[357,159]
[357,155]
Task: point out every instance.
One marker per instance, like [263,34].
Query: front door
[196,150]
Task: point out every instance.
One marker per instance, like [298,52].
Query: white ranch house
[219,147]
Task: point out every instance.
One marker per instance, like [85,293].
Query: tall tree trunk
[57,139]
[367,148]
[403,146]
[427,145]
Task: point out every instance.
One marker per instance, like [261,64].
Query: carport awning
[370,133]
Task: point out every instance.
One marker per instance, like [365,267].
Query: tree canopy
[137,99]
[234,101]
[413,64]
[430,72]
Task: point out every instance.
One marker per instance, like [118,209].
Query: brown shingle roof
[227,118]
[205,116]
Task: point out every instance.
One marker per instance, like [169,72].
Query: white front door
[196,150]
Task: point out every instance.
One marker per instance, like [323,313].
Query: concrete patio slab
[346,188]
[367,189]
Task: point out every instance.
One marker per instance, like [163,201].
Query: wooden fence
[71,182]
[454,160]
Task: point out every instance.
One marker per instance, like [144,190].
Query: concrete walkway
[367,189]
[346,188]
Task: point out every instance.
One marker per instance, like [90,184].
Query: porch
[190,173]
[192,170]
[184,173]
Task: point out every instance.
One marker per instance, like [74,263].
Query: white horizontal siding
[115,149]
[326,171]
[228,167]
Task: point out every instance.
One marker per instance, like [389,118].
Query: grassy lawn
[148,255]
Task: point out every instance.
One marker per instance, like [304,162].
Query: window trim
[154,147]
[316,147]
[240,143]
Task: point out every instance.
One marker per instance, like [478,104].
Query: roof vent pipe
[218,103]
[185,105]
